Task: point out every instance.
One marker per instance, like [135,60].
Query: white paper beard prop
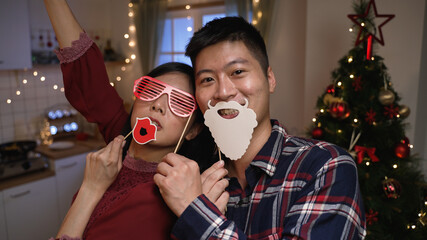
[231,125]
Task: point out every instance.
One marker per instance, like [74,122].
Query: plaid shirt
[297,189]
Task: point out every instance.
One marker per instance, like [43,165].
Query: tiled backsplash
[22,118]
[21,113]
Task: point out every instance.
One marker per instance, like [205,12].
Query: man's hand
[103,166]
[180,182]
[214,185]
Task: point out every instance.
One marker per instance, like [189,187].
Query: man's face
[227,71]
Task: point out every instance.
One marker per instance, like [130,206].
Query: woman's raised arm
[65,25]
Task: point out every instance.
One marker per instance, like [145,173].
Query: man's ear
[194,131]
[271,80]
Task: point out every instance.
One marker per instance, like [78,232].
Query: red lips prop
[144,131]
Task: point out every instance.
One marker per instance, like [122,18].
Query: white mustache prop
[232,135]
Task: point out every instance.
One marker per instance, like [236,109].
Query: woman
[131,207]
[119,200]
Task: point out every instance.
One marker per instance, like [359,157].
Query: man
[282,187]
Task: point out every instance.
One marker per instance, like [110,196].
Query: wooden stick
[182,134]
[219,153]
[128,134]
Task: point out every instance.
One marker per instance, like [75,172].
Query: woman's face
[169,125]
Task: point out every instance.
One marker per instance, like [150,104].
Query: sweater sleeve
[88,89]
[211,224]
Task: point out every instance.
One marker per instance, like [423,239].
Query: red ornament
[391,111]
[362,151]
[370,116]
[405,141]
[402,150]
[392,188]
[357,84]
[354,18]
[317,133]
[339,110]
[331,89]
[371,217]
[369,48]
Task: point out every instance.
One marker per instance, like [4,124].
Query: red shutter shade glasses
[180,103]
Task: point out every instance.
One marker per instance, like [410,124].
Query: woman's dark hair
[202,147]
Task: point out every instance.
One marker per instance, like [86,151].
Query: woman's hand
[103,166]
[101,170]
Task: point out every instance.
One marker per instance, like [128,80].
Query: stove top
[34,163]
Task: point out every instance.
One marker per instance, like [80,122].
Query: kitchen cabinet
[69,175]
[15,40]
[3,231]
[32,210]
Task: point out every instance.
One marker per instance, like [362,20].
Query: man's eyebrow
[236,61]
[203,71]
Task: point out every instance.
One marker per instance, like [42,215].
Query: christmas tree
[360,111]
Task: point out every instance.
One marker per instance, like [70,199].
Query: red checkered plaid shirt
[297,189]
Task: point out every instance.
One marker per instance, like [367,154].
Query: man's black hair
[229,29]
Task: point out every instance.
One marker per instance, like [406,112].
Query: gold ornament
[386,97]
[328,99]
[404,111]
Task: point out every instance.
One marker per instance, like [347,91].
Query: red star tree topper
[362,24]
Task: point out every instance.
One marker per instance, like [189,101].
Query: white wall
[421,111]
[325,41]
[287,58]
[109,19]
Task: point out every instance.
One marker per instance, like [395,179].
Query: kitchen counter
[26,178]
[91,144]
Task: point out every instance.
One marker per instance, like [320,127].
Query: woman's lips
[156,123]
